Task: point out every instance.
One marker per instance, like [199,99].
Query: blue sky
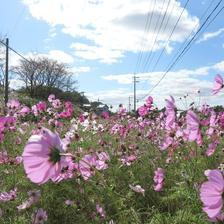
[101,40]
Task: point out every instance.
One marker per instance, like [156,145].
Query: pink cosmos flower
[105,114]
[211,194]
[58,123]
[218,84]
[8,196]
[68,173]
[13,104]
[68,105]
[137,189]
[167,141]
[41,106]
[193,127]
[211,148]
[143,111]
[34,197]
[149,101]
[212,123]
[86,165]
[4,157]
[128,160]
[100,211]
[39,217]
[18,160]
[69,202]
[41,157]
[158,179]
[170,114]
[6,123]
[101,162]
[34,110]
[122,111]
[51,97]
[68,111]
[82,118]
[24,111]
[56,103]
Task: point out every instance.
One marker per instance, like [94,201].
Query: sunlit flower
[211,193]
[218,84]
[41,157]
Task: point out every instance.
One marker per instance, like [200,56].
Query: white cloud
[154,77]
[177,84]
[96,53]
[58,55]
[219,66]
[210,35]
[15,84]
[113,27]
[82,69]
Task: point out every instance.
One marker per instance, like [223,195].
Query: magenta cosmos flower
[170,122]
[193,127]
[13,104]
[211,194]
[41,157]
[149,101]
[24,111]
[158,179]
[51,97]
[143,110]
[218,84]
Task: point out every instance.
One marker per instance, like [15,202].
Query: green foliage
[178,203]
[42,93]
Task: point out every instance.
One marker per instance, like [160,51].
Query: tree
[43,72]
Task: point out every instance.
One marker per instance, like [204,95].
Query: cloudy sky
[106,41]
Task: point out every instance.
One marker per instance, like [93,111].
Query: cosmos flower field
[61,165]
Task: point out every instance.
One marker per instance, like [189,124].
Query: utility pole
[135,81]
[129,104]
[7,72]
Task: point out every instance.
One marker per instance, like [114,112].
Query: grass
[179,202]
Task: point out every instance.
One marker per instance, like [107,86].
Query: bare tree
[44,72]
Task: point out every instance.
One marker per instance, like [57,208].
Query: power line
[156,25]
[187,39]
[155,41]
[187,47]
[18,19]
[147,28]
[2,42]
[170,36]
[193,38]
[174,28]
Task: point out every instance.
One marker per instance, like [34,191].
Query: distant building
[101,108]
[86,107]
